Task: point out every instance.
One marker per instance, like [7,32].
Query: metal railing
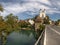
[40,40]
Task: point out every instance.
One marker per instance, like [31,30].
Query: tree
[57,22]
[7,26]
[11,20]
[2,24]
[2,29]
[46,20]
[23,24]
[1,8]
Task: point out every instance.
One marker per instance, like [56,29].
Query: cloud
[31,7]
[4,13]
[18,8]
[15,8]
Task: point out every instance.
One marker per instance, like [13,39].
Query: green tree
[46,20]
[8,25]
[24,24]
[12,21]
[1,8]
[57,22]
[2,29]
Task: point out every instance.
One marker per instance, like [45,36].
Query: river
[21,38]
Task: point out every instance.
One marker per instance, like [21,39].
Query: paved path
[52,35]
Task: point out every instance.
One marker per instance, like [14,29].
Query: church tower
[39,19]
[42,14]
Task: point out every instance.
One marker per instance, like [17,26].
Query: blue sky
[29,8]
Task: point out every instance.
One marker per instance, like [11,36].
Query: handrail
[39,38]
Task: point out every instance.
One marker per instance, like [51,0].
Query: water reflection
[21,38]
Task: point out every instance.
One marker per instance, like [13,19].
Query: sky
[25,9]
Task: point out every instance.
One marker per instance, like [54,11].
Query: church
[39,19]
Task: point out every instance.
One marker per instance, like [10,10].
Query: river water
[21,38]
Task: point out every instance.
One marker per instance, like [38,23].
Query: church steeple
[42,13]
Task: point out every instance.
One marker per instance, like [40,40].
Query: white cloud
[45,1]
[17,8]
[30,5]
[4,13]
[42,1]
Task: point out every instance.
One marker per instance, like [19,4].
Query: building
[39,19]
[42,14]
[59,23]
[31,21]
[50,22]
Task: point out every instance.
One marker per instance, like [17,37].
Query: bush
[39,31]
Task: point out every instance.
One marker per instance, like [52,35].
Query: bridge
[50,36]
